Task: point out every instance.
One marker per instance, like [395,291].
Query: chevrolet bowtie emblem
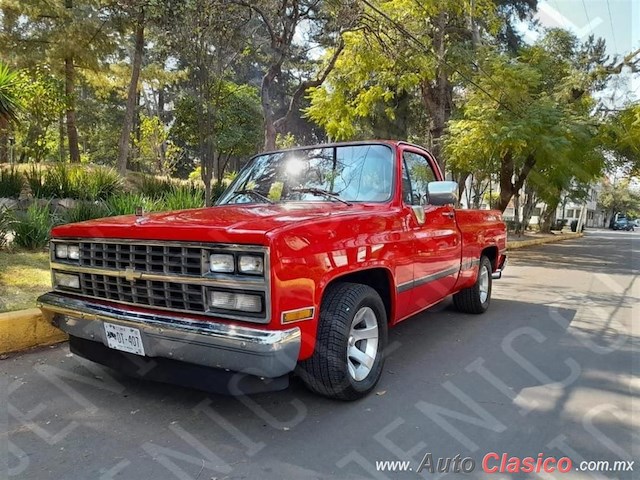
[131,275]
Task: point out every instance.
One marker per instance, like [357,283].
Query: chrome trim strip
[191,280]
[427,279]
[160,243]
[267,353]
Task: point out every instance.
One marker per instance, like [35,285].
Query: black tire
[469,299]
[327,371]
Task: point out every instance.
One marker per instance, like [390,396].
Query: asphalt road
[548,370]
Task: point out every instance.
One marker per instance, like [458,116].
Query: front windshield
[353,173]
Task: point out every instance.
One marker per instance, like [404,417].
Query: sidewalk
[528,239]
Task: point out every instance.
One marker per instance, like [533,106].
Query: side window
[416,174]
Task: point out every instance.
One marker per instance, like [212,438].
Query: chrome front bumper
[264,353]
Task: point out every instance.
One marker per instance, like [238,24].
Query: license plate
[125,339]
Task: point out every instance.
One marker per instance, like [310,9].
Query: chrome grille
[171,276]
[175,296]
[161,259]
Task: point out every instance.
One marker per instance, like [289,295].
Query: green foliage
[10,86]
[35,180]
[79,182]
[42,97]
[128,203]
[155,187]
[32,228]
[620,198]
[156,153]
[217,189]
[381,66]
[59,182]
[541,129]
[11,183]
[98,183]
[184,196]
[236,123]
[83,211]
[620,135]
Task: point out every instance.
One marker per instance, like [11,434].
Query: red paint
[314,243]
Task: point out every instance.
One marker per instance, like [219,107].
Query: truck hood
[246,224]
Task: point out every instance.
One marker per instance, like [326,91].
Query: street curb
[27,329]
[539,241]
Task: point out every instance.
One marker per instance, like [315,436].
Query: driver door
[437,241]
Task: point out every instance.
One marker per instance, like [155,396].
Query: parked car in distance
[306,260]
[622,223]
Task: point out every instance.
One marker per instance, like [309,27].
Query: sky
[617,21]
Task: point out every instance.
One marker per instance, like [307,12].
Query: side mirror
[442,193]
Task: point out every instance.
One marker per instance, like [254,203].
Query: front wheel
[352,334]
[476,299]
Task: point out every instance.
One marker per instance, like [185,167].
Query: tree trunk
[516,214]
[437,96]
[548,217]
[531,199]
[270,132]
[462,184]
[206,172]
[508,188]
[161,103]
[61,149]
[69,90]
[72,131]
[477,189]
[132,95]
[4,140]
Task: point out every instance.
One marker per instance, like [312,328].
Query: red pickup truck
[306,260]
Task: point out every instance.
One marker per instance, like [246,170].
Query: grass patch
[23,277]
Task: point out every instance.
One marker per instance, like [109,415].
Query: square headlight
[62,250]
[66,280]
[241,302]
[221,263]
[65,251]
[251,264]
[74,252]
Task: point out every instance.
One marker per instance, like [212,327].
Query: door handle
[448,214]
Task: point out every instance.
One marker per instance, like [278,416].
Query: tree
[62,36]
[207,39]
[132,95]
[237,126]
[286,61]
[538,118]
[422,50]
[618,197]
[43,104]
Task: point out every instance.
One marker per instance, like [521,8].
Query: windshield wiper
[248,191]
[321,192]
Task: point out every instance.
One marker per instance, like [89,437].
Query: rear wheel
[476,299]
[352,333]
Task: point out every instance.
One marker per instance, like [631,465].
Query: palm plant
[9,103]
